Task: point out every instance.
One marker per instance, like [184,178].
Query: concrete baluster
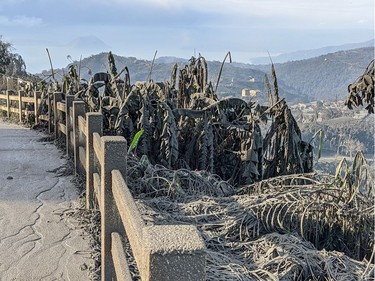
[114,150]
[78,110]
[94,124]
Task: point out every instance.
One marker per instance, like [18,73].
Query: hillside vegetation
[325,77]
[345,131]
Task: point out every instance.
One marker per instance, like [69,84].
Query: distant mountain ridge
[324,77]
[306,54]
[234,78]
[170,59]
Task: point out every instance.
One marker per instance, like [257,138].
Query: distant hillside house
[250,93]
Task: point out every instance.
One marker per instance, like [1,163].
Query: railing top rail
[61,106]
[124,201]
[82,125]
[97,147]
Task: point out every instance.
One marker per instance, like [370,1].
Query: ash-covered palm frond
[361,92]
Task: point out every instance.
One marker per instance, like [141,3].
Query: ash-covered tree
[11,64]
[5,55]
[16,67]
[361,92]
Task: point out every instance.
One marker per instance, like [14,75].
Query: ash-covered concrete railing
[13,99]
[62,122]
[162,252]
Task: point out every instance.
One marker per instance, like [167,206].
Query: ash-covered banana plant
[184,125]
[362,91]
[284,150]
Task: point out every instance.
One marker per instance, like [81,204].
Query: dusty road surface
[38,239]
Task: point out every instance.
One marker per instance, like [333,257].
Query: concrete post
[8,103]
[20,93]
[36,97]
[173,252]
[68,104]
[94,124]
[78,110]
[10,83]
[57,115]
[114,150]
[2,83]
[49,113]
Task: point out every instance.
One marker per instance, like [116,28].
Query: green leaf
[177,185]
[320,147]
[320,144]
[340,168]
[135,141]
[144,162]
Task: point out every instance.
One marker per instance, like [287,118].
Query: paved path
[38,240]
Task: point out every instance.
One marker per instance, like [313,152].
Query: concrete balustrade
[162,252]
[10,91]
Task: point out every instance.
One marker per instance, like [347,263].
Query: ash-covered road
[38,238]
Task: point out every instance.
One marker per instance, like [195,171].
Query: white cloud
[300,13]
[258,7]
[20,21]
[177,27]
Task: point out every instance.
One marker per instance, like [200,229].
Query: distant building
[244,91]
[250,93]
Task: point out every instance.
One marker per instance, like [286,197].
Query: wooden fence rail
[162,252]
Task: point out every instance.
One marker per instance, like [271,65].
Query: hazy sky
[247,28]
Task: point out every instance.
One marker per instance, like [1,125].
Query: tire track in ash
[33,245]
[36,243]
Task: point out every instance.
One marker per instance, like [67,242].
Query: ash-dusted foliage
[195,159]
[284,150]
[361,92]
[293,227]
[186,126]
